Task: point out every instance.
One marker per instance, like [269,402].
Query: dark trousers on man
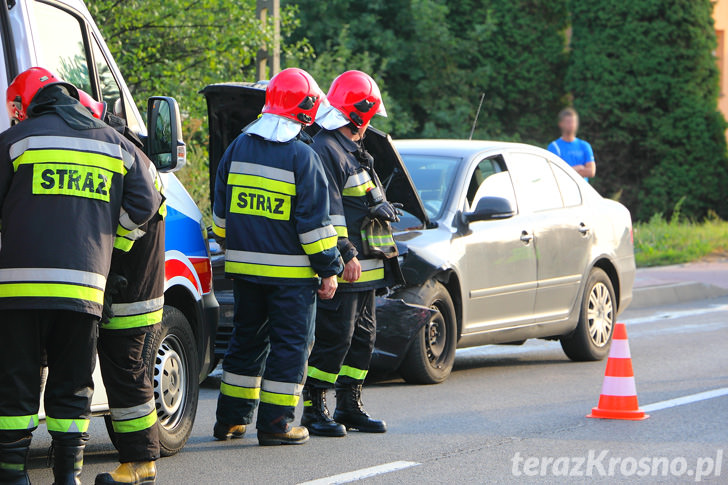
[266,359]
[68,341]
[345,335]
[130,392]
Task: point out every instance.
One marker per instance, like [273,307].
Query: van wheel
[171,356]
[593,334]
[173,364]
[432,353]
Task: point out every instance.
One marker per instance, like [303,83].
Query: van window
[110,91]
[60,45]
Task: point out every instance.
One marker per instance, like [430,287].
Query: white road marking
[679,401]
[363,473]
[655,318]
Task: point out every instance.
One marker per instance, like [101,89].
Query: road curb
[658,295]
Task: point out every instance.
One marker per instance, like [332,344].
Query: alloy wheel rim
[600,314]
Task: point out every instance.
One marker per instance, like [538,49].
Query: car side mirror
[488,209]
[164,145]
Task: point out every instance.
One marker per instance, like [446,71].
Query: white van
[62,37]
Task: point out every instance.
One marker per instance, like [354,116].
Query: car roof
[456,148]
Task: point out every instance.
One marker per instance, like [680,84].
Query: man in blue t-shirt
[574,151]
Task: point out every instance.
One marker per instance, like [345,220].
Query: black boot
[67,463]
[316,415]
[350,413]
[14,462]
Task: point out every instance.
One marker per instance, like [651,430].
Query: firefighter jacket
[62,190]
[272,208]
[139,258]
[349,181]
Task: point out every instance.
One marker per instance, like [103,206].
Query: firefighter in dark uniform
[345,325]
[64,178]
[272,208]
[133,309]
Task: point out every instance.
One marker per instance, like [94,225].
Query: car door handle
[526,237]
[583,229]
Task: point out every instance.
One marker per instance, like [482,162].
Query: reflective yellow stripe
[371,275]
[67,425]
[320,245]
[137,424]
[367,274]
[239,392]
[163,209]
[133,321]
[279,399]
[123,244]
[307,404]
[341,231]
[29,421]
[51,290]
[321,375]
[386,240]
[70,156]
[269,271]
[12,466]
[359,190]
[219,232]
[255,181]
[354,373]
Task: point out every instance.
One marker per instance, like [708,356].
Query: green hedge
[645,82]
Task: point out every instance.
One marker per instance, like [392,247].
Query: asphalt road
[506,415]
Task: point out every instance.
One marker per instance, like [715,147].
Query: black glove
[386,211]
[114,284]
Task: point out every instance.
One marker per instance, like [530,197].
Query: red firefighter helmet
[97,108]
[294,94]
[357,96]
[26,85]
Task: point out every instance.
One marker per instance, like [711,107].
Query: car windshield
[433,176]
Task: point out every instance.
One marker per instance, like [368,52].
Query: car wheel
[432,353]
[593,334]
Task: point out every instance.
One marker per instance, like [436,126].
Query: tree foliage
[646,85]
[435,58]
[177,47]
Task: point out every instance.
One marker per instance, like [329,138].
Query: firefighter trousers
[130,392]
[67,341]
[266,359]
[345,333]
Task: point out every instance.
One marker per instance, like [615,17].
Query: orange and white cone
[619,394]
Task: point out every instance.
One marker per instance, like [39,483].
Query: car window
[535,184]
[433,177]
[493,180]
[60,45]
[483,170]
[570,192]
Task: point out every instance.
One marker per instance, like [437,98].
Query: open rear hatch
[232,106]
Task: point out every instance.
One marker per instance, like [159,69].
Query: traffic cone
[619,394]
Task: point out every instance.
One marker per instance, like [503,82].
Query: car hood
[232,106]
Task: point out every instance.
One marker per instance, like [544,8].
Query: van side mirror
[488,209]
[164,145]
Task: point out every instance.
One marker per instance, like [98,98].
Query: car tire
[592,337]
[171,355]
[432,353]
